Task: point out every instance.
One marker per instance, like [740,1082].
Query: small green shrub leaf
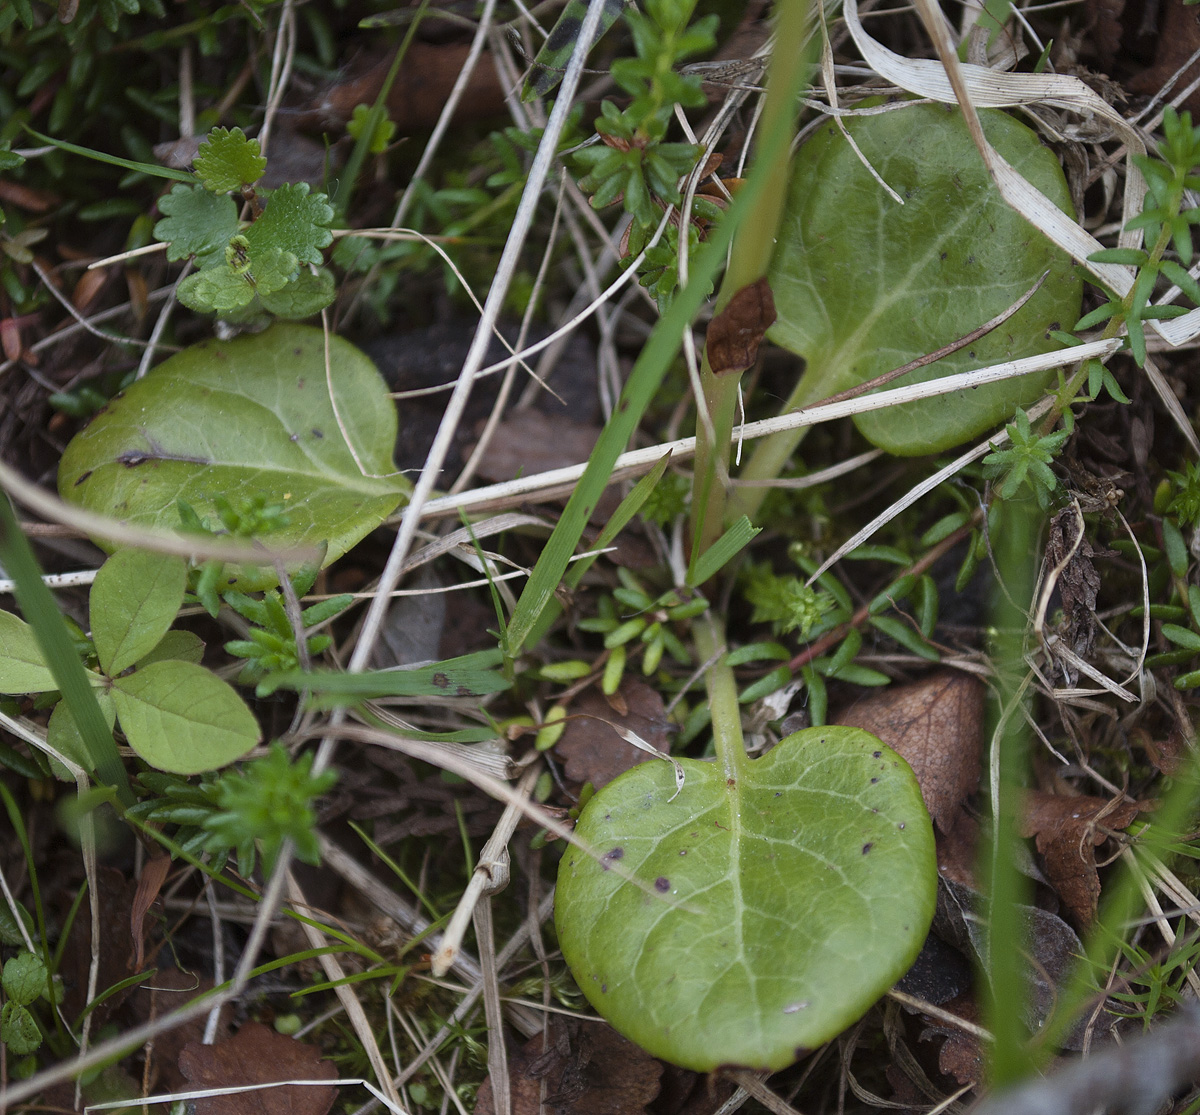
[863,284]
[182,718]
[196,223]
[18,1030]
[227,161]
[787,902]
[22,667]
[184,646]
[62,734]
[305,295]
[135,599]
[24,978]
[247,419]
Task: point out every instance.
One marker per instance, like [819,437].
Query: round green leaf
[184,645]
[863,284]
[18,1030]
[24,977]
[135,599]
[62,734]
[773,910]
[241,419]
[22,667]
[181,718]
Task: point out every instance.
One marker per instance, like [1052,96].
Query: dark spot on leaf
[297,351]
[608,816]
[662,884]
[876,754]
[779,793]
[564,34]
[316,432]
[874,780]
[730,782]
[82,478]
[463,691]
[300,384]
[611,856]
[440,680]
[604,987]
[900,825]
[867,847]
[683,851]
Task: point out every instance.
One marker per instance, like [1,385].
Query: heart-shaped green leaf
[864,284]
[242,419]
[773,909]
[182,718]
[134,600]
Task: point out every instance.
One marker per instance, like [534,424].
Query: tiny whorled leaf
[243,419]
[182,718]
[22,667]
[774,907]
[227,161]
[863,284]
[135,599]
[196,223]
[294,221]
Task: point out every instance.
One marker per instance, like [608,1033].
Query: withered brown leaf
[735,333]
[258,1055]
[936,725]
[592,751]
[1067,831]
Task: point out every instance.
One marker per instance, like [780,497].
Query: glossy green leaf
[134,600]
[773,911]
[863,284]
[182,718]
[22,667]
[247,418]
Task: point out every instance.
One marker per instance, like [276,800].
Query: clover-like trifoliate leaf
[227,161]
[773,909]
[247,419]
[196,223]
[294,221]
[864,284]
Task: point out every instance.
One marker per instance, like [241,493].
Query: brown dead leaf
[1178,39]
[419,91]
[528,441]
[115,892]
[592,751]
[961,1055]
[258,1055]
[936,725]
[588,1069]
[154,874]
[736,332]
[168,991]
[1078,585]
[1067,831]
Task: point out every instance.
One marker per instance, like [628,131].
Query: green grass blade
[714,559]
[115,160]
[42,614]
[644,381]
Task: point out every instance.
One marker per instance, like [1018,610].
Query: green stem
[749,260]
[349,177]
[722,696]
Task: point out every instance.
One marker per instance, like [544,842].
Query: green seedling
[264,420]
[175,714]
[25,980]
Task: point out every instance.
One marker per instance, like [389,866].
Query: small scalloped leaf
[227,161]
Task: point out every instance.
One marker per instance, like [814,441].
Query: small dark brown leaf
[258,1055]
[736,332]
[936,724]
[592,751]
[1067,831]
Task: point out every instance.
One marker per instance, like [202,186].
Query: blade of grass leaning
[644,381]
[115,160]
[723,550]
[42,614]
